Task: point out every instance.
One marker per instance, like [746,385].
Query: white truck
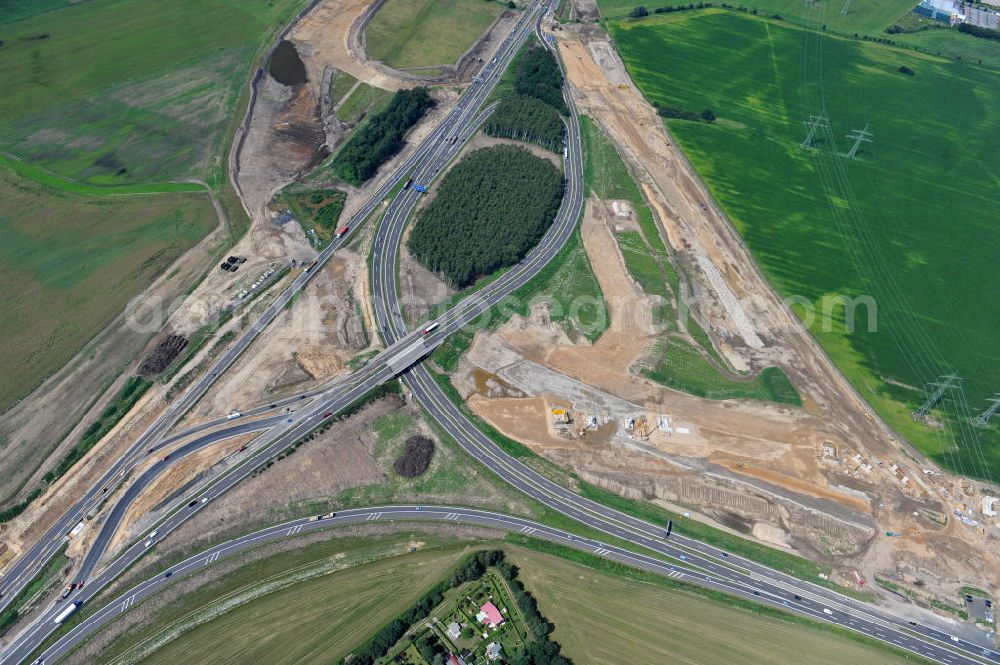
[67,611]
[234,415]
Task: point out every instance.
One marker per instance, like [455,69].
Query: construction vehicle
[560,417]
[642,427]
[743,466]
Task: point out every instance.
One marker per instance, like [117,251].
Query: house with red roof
[490,615]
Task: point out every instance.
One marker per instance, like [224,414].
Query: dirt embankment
[748,464]
[754,328]
[342,458]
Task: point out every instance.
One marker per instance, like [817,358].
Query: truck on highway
[430,328]
[67,611]
[310,266]
[420,188]
[406,185]
[341,232]
[234,415]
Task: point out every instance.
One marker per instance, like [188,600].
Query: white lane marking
[373,517]
[528,529]
[601,551]
[294,530]
[128,602]
[212,558]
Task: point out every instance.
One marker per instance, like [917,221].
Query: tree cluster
[677,113]
[903,69]
[669,9]
[416,457]
[539,650]
[978,31]
[470,569]
[382,136]
[527,119]
[489,211]
[537,75]
[639,12]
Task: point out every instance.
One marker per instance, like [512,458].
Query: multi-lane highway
[435,150]
[681,571]
[435,145]
[280,429]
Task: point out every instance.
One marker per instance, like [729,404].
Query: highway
[134,596]
[735,574]
[34,559]
[436,150]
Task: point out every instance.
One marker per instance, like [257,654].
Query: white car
[826,611]
[954,639]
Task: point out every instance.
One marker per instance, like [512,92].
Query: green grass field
[151,99]
[365,100]
[606,619]
[864,16]
[909,222]
[677,364]
[310,605]
[69,264]
[340,84]
[151,102]
[423,33]
[317,603]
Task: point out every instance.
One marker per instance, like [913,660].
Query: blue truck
[420,188]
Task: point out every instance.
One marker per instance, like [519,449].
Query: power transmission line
[983,419]
[815,122]
[941,387]
[858,136]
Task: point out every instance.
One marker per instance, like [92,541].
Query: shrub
[903,69]
[639,12]
[977,31]
[416,457]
